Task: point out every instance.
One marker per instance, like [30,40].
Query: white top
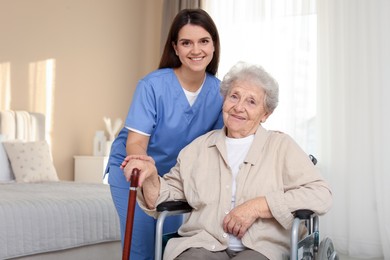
[237,149]
[191,96]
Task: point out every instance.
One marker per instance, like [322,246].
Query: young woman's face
[243,109]
[195,47]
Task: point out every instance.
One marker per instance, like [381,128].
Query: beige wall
[100,49]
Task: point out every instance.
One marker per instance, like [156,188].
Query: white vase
[99,144]
[108,147]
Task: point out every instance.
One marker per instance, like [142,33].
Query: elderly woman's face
[243,109]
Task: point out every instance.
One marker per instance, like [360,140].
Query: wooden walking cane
[130,214]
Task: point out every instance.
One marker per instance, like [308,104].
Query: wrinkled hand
[140,157]
[239,219]
[243,216]
[144,163]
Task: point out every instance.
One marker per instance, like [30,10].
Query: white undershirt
[237,149]
[192,96]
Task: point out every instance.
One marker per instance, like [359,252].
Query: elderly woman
[243,181]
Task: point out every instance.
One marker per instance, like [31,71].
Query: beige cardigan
[275,167]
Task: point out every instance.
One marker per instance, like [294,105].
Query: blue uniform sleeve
[142,111]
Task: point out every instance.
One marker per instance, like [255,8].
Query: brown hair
[196,17]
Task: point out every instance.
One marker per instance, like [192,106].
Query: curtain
[279,35]
[170,9]
[332,61]
[353,122]
[5,86]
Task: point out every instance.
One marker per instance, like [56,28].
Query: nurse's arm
[136,144]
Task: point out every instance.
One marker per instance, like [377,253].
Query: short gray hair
[243,71]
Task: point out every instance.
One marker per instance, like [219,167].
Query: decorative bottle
[99,144]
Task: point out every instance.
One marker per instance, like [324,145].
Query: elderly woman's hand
[243,216]
[148,178]
[142,162]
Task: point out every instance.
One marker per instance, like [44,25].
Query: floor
[343,257]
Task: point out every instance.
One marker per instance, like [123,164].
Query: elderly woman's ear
[265,117]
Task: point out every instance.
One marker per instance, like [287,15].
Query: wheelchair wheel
[326,250]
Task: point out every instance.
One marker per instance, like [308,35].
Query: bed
[42,217]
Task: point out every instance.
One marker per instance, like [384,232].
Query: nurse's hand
[135,156]
[145,165]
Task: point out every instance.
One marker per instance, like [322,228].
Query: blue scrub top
[161,109]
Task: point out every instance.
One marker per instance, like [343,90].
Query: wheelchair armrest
[174,205]
[303,214]
[165,209]
[311,221]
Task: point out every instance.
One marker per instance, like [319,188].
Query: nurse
[171,107]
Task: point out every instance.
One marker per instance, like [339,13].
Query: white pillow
[6,174]
[31,161]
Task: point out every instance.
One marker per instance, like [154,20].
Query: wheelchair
[308,248]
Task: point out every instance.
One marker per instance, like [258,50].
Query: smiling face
[244,109]
[195,48]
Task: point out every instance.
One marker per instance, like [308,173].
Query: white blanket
[43,217]
[23,126]
[8,125]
